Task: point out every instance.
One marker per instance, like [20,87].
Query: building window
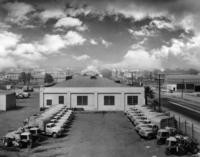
[49,102]
[109,100]
[132,100]
[61,99]
[82,100]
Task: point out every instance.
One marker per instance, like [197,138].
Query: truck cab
[26,139]
[53,130]
[162,135]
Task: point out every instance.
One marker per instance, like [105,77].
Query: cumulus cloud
[90,69]
[81,58]
[68,22]
[27,51]
[51,13]
[162,24]
[93,42]
[7,62]
[9,41]
[140,59]
[18,12]
[73,38]
[51,43]
[105,43]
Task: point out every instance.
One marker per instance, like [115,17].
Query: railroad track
[186,104]
[181,106]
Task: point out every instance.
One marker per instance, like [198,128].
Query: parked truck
[18,139]
[163,121]
[42,121]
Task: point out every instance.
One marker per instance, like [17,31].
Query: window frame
[109,100]
[49,100]
[82,100]
[61,101]
[132,102]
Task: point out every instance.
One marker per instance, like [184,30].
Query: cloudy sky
[138,34]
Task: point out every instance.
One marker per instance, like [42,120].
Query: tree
[25,77]
[148,93]
[48,78]
[107,73]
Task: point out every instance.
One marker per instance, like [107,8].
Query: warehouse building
[188,83]
[88,93]
[7,100]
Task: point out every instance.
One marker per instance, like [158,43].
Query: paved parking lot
[97,135]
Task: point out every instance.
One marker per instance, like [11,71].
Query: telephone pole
[159,94]
[183,87]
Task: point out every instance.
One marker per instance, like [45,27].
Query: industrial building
[188,83]
[92,93]
[7,100]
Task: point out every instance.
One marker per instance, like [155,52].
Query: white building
[7,101]
[98,94]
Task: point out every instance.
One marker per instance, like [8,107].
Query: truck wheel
[6,143]
[54,135]
[158,142]
[167,152]
[149,137]
[30,145]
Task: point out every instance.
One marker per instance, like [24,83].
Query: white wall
[118,106]
[95,96]
[140,100]
[2,102]
[54,97]
[91,104]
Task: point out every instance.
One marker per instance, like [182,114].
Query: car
[140,126]
[147,133]
[144,121]
[135,118]
[135,114]
[19,96]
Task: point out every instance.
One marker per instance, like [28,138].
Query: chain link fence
[188,128]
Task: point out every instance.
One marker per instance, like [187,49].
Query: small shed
[7,100]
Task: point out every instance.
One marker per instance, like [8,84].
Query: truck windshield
[165,134]
[24,137]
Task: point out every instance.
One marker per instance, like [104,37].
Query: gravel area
[108,134]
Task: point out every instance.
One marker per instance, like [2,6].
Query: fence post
[185,127]
[192,131]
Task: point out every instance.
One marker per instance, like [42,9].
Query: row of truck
[161,126]
[52,122]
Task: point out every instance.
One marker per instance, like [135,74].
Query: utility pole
[182,89]
[159,93]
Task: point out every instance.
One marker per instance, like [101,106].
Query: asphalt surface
[96,135]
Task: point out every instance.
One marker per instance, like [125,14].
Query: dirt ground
[96,135]
[13,119]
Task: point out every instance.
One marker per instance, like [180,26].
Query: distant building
[98,94]
[7,100]
[188,83]
[13,76]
